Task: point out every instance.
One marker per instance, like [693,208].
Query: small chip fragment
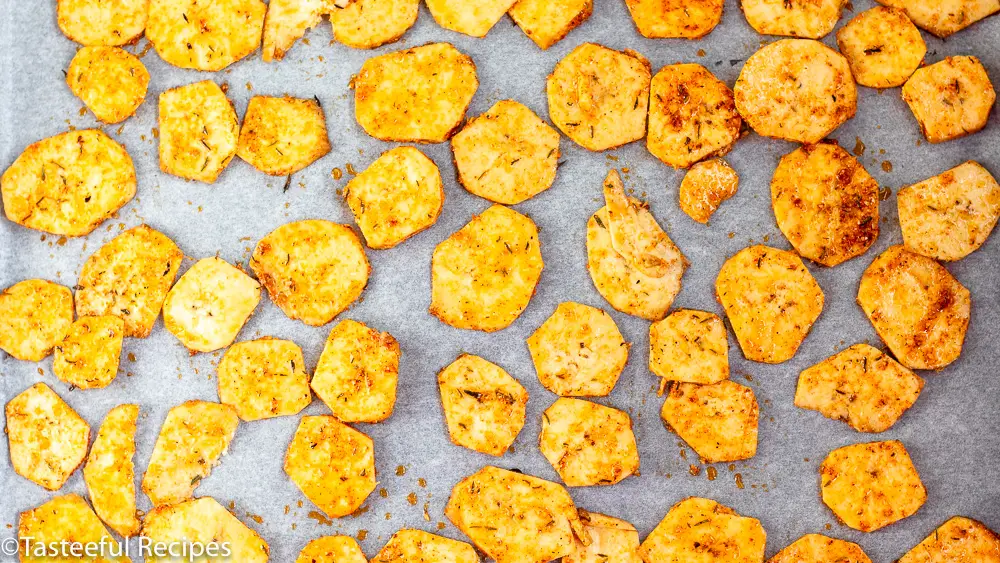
[47,440]
[281,136]
[811,19]
[611,541]
[418,95]
[599,97]
[68,184]
[332,464]
[97,22]
[287,21]
[959,540]
[35,316]
[771,300]
[366,24]
[797,90]
[474,18]
[817,548]
[949,216]
[924,330]
[110,81]
[587,443]
[199,131]
[192,440]
[483,405]
[515,518]
[203,521]
[546,22]
[484,274]
[689,346]
[951,98]
[332,549]
[883,47]
[945,17]
[691,19]
[208,306]
[396,197]
[869,486]
[418,546]
[578,351]
[705,186]
[718,421]
[205,35]
[264,378]
[700,530]
[110,471]
[87,358]
[64,521]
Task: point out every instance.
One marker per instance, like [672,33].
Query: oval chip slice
[705,186]
[700,530]
[689,346]
[817,548]
[418,546]
[87,358]
[366,24]
[882,46]
[35,316]
[945,17]
[64,522]
[203,521]
[474,18]
[951,98]
[587,443]
[611,541]
[332,549]
[264,378]
[205,36]
[690,19]
[110,81]
[718,421]
[46,439]
[959,540]
[98,22]
[199,131]
[110,471]
[795,18]
[546,22]
[281,136]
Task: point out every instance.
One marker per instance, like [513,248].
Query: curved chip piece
[860,386]
[47,440]
[700,530]
[418,546]
[287,21]
[869,486]
[281,136]
[484,274]
[87,358]
[35,316]
[817,548]
[506,155]
[599,97]
[97,22]
[546,22]
[313,270]
[332,464]
[949,216]
[825,203]
[578,351]
[959,540]
[882,46]
[68,184]
[332,549]
[366,24]
[951,98]
[611,541]
[587,443]
[689,346]
[474,18]
[264,378]
[705,186]
[194,437]
[795,18]
[418,95]
[205,35]
[687,19]
[64,521]
[515,518]
[945,17]
[718,421]
[396,197]
[203,521]
[199,131]
[797,90]
[110,81]
[635,235]
[110,471]
[483,405]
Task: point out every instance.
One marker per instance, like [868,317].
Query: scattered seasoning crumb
[383,493]
[694,470]
[886,166]
[337,174]
[300,504]
[739,481]
[859,147]
[256,518]
[684,454]
[362,534]
[731,235]
[351,170]
[320,518]
[422,482]
[441,525]
[712,473]
[884,193]
[249,86]
[732,467]
[131,357]
[427,513]
[400,471]
[388,516]
[828,526]
[287,509]
[412,498]
[701,52]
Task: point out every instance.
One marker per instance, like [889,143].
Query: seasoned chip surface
[506,155]
[860,386]
[945,17]
[47,440]
[202,521]
[771,300]
[949,216]
[110,471]
[483,405]
[689,346]
[796,18]
[281,136]
[129,278]
[396,197]
[587,443]
[515,518]
[98,22]
[65,518]
[611,541]
[35,316]
[705,186]
[205,34]
[366,24]
[959,540]
[869,486]
[882,46]
[87,358]
[110,81]
[418,95]
[951,98]
[918,309]
[797,90]
[690,19]
[471,17]
[817,548]
[287,21]
[418,546]
[718,421]
[332,549]
[484,274]
[192,441]
[264,378]
[700,530]
[199,131]
[332,464]
[312,269]
[578,351]
[546,22]
[599,97]
[68,184]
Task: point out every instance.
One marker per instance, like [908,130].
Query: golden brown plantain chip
[59,524]
[205,35]
[688,19]
[35,316]
[700,530]
[418,546]
[951,98]
[546,22]
[332,549]
[199,131]
[110,81]
[46,439]
[203,521]
[110,471]
[959,540]
[264,378]
[817,548]
[99,22]
[287,21]
[87,358]
[357,373]
[718,421]
[882,46]
[689,346]
[483,405]
[281,136]
[587,443]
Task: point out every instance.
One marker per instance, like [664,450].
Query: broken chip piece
[110,81]
[718,421]
[951,98]
[47,440]
[193,34]
[611,541]
[635,234]
[587,443]
[810,19]
[705,186]
[287,21]
[689,346]
[471,18]
[945,17]
[281,136]
[65,521]
[110,471]
[700,530]
[87,358]
[546,22]
[203,521]
[332,549]
[691,19]
[817,548]
[959,540]
[35,316]
[418,546]
[882,46]
[366,24]
[96,22]
[264,378]
[199,131]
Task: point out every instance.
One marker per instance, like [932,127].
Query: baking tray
[952,433]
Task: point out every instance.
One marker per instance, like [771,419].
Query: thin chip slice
[635,234]
[869,486]
[949,216]
[689,346]
[110,81]
[199,131]
[332,549]
[357,373]
[718,421]
[35,316]
[129,278]
[700,530]
[287,21]
[87,358]
[484,274]
[68,184]
[63,521]
[692,116]
[578,351]
[599,97]
[882,46]
[771,300]
[797,90]
[705,186]
[483,405]
[506,155]
[97,22]
[203,521]
[546,22]
[917,307]
[418,546]
[817,548]
[332,464]
[194,437]
[367,24]
[110,471]
[945,17]
[951,98]
[47,440]
[587,443]
[690,19]
[611,541]
[281,136]
[860,386]
[795,18]
[418,95]
[825,203]
[515,518]
[959,540]
[396,197]
[208,306]
[471,17]
[264,378]
[205,35]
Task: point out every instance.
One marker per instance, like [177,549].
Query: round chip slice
[47,440]
[546,22]
[332,549]
[199,131]
[718,421]
[99,22]
[471,18]
[882,46]
[796,18]
[35,316]
[205,35]
[110,81]
[951,98]
[705,186]
[689,346]
[688,19]
[88,356]
[817,548]
[958,540]
[418,546]
[281,136]
[264,378]
[203,521]
[587,443]
[366,24]
[697,530]
[797,90]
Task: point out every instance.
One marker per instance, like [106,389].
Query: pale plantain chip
[796,18]
[546,22]
[700,530]
[199,131]
[689,346]
[945,17]
[203,521]
[47,440]
[98,22]
[110,81]
[587,443]
[882,46]
[35,316]
[471,17]
[817,548]
[332,549]
[959,540]
[64,521]
[689,19]
[205,35]
[87,358]
[635,235]
[718,421]
[611,541]
[951,98]
[366,24]
[110,471]
[281,136]
[264,378]
[418,546]
[705,186]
